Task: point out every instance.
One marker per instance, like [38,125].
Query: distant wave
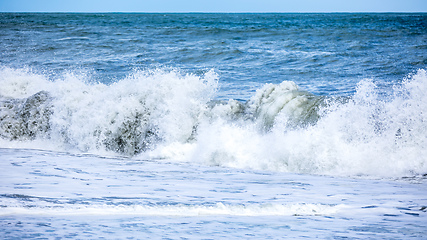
[162,114]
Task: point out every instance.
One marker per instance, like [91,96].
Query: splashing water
[165,114]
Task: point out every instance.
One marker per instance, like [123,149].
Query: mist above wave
[166,114]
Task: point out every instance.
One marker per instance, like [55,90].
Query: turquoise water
[210,126]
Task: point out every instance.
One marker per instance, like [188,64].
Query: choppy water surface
[207,126]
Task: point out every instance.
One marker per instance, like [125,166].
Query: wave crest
[165,114]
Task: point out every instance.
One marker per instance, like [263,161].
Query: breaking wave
[168,115]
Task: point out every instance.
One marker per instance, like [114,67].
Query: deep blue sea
[213,126]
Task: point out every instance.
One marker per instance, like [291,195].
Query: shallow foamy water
[56,194]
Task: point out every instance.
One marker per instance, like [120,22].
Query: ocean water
[213,126]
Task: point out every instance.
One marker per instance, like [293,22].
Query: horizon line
[202,12]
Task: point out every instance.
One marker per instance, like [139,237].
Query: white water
[366,136]
[218,209]
[167,115]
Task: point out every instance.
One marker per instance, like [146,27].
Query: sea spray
[366,135]
[166,114]
[127,117]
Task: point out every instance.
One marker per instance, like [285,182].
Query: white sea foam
[20,83]
[166,114]
[366,136]
[127,116]
[178,210]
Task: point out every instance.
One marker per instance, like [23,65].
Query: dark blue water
[322,53]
